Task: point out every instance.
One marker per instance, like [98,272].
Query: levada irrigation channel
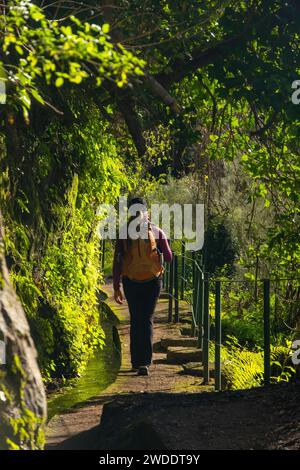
[101,370]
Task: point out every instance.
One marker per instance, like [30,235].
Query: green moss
[25,431]
[51,237]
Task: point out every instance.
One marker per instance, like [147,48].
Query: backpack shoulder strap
[124,243]
[151,237]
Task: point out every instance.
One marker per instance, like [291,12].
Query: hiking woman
[138,264]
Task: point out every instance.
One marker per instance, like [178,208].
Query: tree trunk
[22,394]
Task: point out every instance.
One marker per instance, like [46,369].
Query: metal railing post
[167,283]
[267,360]
[195,301]
[171,279]
[193,265]
[206,322]
[200,311]
[194,289]
[218,385]
[103,254]
[167,277]
[176,289]
[182,283]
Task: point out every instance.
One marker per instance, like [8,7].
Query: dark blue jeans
[141,298]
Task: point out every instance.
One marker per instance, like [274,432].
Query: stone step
[164,295]
[186,317]
[182,355]
[185,341]
[186,329]
[193,368]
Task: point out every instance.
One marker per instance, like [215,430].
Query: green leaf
[37,96]
[105,28]
[59,82]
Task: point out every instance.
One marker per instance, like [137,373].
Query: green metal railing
[186,280]
[176,284]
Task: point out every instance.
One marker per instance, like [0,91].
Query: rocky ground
[252,419]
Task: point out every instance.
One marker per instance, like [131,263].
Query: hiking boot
[143,370]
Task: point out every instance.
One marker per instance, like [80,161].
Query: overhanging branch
[182,68]
[126,107]
[158,90]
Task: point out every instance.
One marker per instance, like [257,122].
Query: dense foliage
[107,97]
[55,172]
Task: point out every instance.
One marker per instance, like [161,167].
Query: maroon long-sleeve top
[162,245]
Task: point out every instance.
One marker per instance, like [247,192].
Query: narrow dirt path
[163,377]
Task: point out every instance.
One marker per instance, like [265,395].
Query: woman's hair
[135,200]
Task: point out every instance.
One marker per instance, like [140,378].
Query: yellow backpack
[141,259]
